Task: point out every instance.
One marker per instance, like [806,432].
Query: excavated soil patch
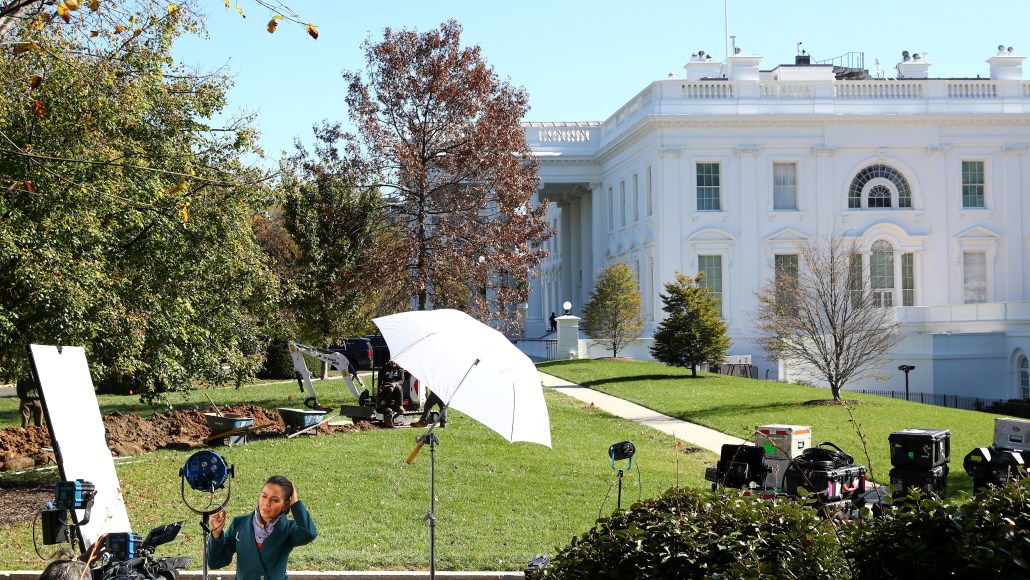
[127,434]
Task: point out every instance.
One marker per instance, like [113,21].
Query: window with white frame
[708,189]
[647,187]
[622,203]
[973,184]
[785,185]
[881,273]
[636,198]
[785,276]
[1024,377]
[879,186]
[711,267]
[974,277]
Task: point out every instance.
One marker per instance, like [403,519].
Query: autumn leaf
[137,32]
[271,25]
[313,31]
[177,188]
[173,9]
[93,34]
[226,3]
[35,81]
[184,212]
[63,12]
[94,5]
[29,188]
[240,10]
[119,29]
[72,4]
[38,109]
[25,47]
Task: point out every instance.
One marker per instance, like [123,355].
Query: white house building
[725,169]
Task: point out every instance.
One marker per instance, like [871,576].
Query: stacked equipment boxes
[920,460]
[781,443]
[993,466]
[1012,433]
[828,472]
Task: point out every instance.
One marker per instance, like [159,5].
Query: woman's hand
[293,498]
[218,523]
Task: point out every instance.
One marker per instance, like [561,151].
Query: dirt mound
[129,434]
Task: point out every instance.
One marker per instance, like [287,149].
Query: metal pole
[906,385]
[619,504]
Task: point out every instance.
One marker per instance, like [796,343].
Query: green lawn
[736,406]
[498,504]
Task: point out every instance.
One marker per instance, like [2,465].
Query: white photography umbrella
[474,369]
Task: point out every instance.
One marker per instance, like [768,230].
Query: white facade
[730,166]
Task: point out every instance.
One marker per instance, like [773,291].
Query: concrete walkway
[688,432]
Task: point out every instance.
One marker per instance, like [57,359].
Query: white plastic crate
[783,441]
[1012,433]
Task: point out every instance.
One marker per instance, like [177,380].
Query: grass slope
[736,406]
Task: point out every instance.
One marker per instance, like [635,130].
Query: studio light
[206,471]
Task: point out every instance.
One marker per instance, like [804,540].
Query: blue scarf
[262,531]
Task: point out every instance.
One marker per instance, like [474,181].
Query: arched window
[881,273]
[879,186]
[1024,377]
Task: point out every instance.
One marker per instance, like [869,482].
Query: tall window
[881,184]
[908,280]
[647,186]
[855,279]
[708,187]
[785,270]
[636,198]
[1024,377]
[972,184]
[711,266]
[785,185]
[974,277]
[622,203]
[881,273]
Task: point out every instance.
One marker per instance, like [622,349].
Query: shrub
[278,362]
[691,533]
[986,535]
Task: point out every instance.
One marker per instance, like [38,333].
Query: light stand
[206,471]
[618,452]
[905,369]
[430,438]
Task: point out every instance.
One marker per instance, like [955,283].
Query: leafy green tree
[442,135]
[126,219]
[611,315]
[348,260]
[693,332]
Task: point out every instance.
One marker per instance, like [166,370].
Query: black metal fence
[539,348]
[939,399]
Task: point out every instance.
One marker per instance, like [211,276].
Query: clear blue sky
[581,60]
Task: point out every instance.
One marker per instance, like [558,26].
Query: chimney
[914,66]
[1006,66]
[701,66]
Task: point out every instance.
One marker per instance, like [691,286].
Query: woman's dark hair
[63,570]
[284,483]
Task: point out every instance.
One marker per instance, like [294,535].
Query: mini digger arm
[335,359]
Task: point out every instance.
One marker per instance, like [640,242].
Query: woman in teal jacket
[262,540]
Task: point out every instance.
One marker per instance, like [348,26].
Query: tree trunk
[693,371]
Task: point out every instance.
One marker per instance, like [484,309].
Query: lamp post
[905,369]
[567,306]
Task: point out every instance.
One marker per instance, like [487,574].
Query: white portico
[726,169]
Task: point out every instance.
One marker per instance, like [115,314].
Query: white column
[565,284]
[568,336]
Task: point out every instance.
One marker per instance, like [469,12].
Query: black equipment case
[826,471]
[933,480]
[920,448]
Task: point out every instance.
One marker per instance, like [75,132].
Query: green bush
[278,362]
[986,535]
[691,533]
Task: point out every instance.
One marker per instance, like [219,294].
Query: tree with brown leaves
[824,316]
[442,134]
